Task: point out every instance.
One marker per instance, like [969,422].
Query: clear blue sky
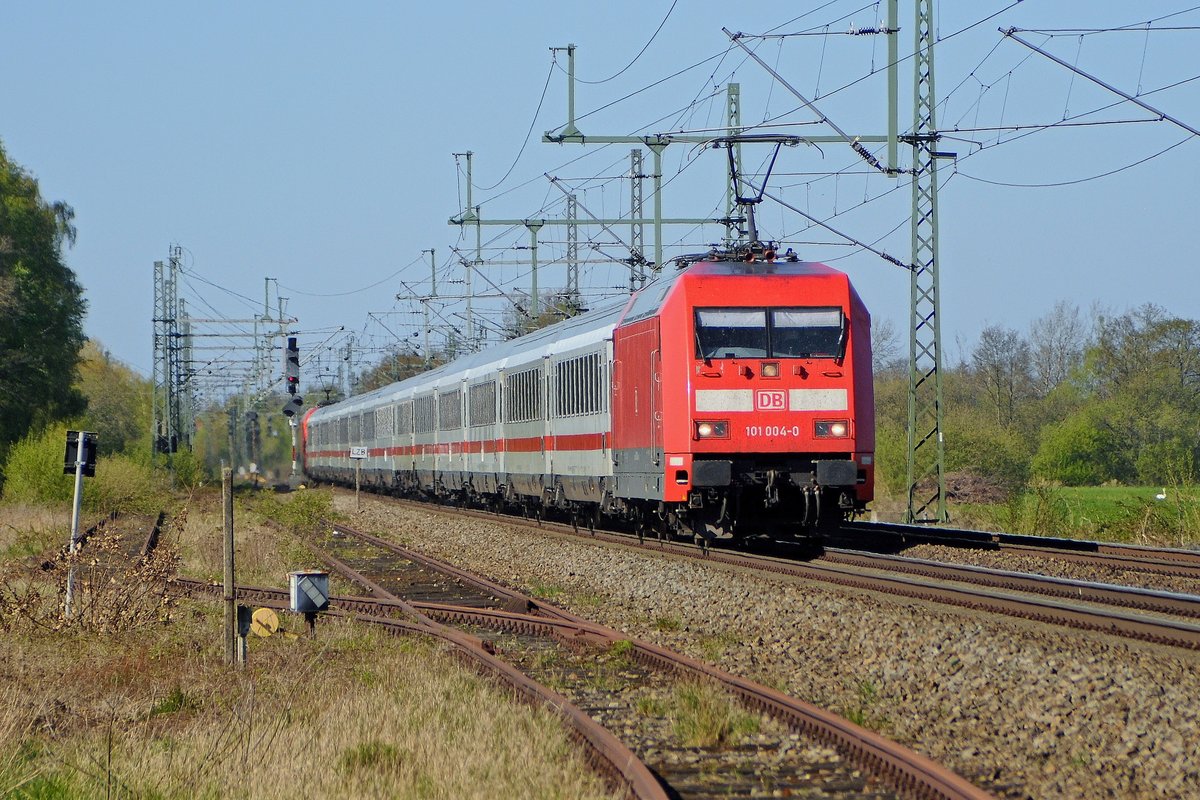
[311,142]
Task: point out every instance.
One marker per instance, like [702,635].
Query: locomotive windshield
[731,332]
[806,332]
[770,333]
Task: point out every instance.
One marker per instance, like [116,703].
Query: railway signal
[79,460]
[293,406]
[291,365]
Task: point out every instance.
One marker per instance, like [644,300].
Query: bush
[35,476]
[301,512]
[1079,451]
[987,449]
[34,469]
[125,484]
[1169,462]
[891,460]
[190,470]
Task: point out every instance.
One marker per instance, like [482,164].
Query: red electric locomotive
[731,395]
[744,398]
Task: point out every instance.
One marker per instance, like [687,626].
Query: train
[729,397]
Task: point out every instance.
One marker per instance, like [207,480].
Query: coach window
[383,422]
[523,396]
[404,418]
[807,333]
[450,410]
[423,414]
[731,333]
[482,401]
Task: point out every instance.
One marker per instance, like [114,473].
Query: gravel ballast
[1021,709]
[1047,565]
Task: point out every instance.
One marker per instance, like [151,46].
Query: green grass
[1106,513]
[704,716]
[546,591]
[1101,506]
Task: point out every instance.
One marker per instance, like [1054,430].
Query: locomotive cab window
[731,333]
[770,333]
[807,333]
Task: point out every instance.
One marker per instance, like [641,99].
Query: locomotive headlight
[769,369]
[831,429]
[712,430]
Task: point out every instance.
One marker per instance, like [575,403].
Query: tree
[1145,367]
[41,308]
[885,348]
[1056,345]
[555,306]
[394,366]
[118,401]
[1001,364]
[1080,451]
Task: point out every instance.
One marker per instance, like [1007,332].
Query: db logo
[770,401]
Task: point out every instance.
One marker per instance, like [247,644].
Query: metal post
[357,473]
[471,291]
[637,229]
[572,247]
[80,454]
[534,226]
[570,129]
[230,593]
[893,56]
[733,125]
[926,447]
[174,265]
[425,315]
[293,425]
[657,150]
[432,273]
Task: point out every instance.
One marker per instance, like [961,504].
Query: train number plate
[773,430]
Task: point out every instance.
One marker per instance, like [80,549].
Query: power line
[1078,180]
[1162,114]
[353,291]
[640,52]
[528,133]
[1088,31]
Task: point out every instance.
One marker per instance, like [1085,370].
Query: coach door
[637,410]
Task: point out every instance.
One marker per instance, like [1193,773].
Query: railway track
[1133,597]
[620,679]
[1074,604]
[894,537]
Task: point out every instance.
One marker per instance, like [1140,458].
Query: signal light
[769,369]
[712,430]
[291,365]
[293,406]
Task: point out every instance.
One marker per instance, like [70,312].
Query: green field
[1114,513]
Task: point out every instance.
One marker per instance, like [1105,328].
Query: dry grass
[154,711]
[263,555]
[27,530]
[350,714]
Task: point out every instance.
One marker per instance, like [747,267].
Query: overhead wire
[1098,176]
[294,290]
[528,134]
[646,46]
